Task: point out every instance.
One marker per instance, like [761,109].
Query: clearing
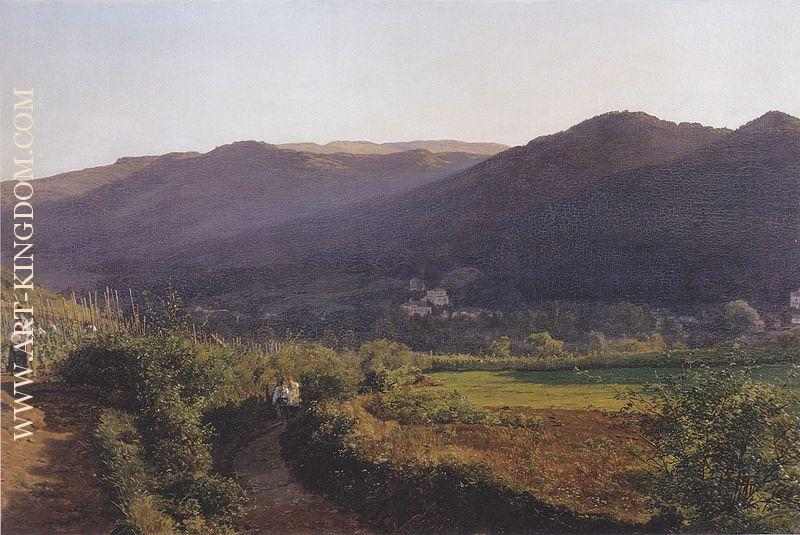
[279,502]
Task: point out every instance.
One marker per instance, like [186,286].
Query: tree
[740,318]
[501,347]
[166,312]
[545,345]
[385,365]
[598,344]
[627,319]
[723,449]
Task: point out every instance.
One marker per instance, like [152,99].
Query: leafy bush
[210,496]
[741,318]
[545,345]
[169,383]
[127,476]
[387,365]
[654,343]
[422,406]
[120,453]
[500,348]
[725,451]
[144,517]
[384,354]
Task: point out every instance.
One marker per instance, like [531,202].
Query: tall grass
[717,356]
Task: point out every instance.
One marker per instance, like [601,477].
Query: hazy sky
[129,78]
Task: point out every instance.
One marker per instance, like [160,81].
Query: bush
[386,365]
[144,517]
[627,320]
[726,454]
[741,318]
[545,345]
[120,453]
[126,474]
[384,354]
[598,344]
[421,406]
[213,497]
[169,383]
[500,348]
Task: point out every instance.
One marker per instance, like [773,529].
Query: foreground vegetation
[497,449]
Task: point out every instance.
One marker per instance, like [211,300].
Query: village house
[794,304]
[437,297]
[468,314]
[416,309]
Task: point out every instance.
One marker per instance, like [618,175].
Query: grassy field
[572,389]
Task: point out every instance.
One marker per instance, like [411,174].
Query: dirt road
[48,480]
[280,503]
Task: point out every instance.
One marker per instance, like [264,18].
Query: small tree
[501,347]
[385,364]
[724,451]
[598,344]
[545,345]
[741,318]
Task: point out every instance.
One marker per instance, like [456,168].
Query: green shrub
[144,517]
[740,318]
[500,347]
[421,406]
[169,382]
[726,455]
[214,497]
[120,453]
[322,372]
[384,354]
[545,345]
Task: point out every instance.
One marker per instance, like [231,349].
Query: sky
[116,79]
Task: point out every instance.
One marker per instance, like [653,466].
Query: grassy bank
[442,478]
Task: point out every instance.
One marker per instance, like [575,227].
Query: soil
[280,503]
[49,483]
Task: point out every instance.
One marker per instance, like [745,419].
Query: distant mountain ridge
[141,209]
[368,147]
[623,205]
[620,206]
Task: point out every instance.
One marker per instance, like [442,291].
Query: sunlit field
[592,389]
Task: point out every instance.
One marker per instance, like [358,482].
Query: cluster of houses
[435,302]
[794,306]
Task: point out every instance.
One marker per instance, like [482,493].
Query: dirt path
[280,503]
[48,479]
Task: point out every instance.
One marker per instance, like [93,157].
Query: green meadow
[598,389]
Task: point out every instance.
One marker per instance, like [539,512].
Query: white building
[437,297]
[469,314]
[794,304]
[794,299]
[416,309]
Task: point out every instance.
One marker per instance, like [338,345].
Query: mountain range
[621,206]
[368,147]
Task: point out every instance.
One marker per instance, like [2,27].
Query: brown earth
[49,483]
[280,504]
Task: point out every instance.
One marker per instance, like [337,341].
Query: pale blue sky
[129,78]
